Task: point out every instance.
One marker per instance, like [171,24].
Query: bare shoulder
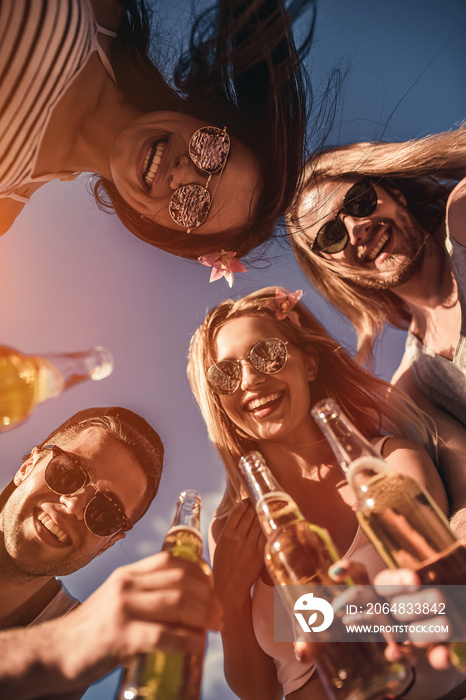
[108,13]
[9,210]
[456,213]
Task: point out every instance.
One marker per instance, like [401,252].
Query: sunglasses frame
[238,362]
[206,194]
[337,223]
[125,527]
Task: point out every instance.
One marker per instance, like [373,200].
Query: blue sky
[73,277]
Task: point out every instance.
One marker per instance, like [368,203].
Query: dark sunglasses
[359,201]
[65,475]
[268,356]
[209,148]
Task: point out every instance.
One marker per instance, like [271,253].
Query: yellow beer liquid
[404,524]
[25,381]
[299,553]
[409,531]
[162,675]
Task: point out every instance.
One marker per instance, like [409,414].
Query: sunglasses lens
[103,517]
[361,199]
[224,377]
[209,148]
[331,237]
[63,475]
[189,205]
[269,355]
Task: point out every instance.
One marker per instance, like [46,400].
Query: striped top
[44,44]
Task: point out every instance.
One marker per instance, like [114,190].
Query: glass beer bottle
[175,675]
[398,515]
[27,380]
[300,553]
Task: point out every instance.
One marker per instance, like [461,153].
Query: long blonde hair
[425,171]
[375,406]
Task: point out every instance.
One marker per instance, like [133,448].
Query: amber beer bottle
[300,553]
[397,514]
[27,380]
[161,675]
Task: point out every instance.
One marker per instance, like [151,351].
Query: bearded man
[379,230]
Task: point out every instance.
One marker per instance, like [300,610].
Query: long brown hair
[425,171]
[375,406]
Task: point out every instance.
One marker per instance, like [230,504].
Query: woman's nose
[184,173]
[250,376]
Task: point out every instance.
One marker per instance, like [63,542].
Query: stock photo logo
[310,603]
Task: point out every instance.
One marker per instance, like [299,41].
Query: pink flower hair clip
[283,305]
[223,264]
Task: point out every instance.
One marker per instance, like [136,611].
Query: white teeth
[375,251]
[152,162]
[52,527]
[257,403]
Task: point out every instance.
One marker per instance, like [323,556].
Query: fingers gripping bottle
[397,514]
[300,553]
[175,675]
[27,380]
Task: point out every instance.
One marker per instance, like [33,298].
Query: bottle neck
[347,443]
[184,538]
[76,367]
[188,510]
[275,508]
[258,476]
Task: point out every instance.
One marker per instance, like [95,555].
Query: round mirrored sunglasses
[209,148]
[268,356]
[65,475]
[360,201]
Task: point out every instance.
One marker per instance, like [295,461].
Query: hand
[360,594]
[162,602]
[402,586]
[239,554]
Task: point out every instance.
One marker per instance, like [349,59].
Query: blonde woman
[256,366]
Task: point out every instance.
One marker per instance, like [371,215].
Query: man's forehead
[323,198]
[93,442]
[110,462]
[328,193]
[100,452]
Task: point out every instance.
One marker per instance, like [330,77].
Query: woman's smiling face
[150,160]
[266,406]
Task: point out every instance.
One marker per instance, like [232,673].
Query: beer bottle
[398,515]
[27,380]
[171,675]
[300,553]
